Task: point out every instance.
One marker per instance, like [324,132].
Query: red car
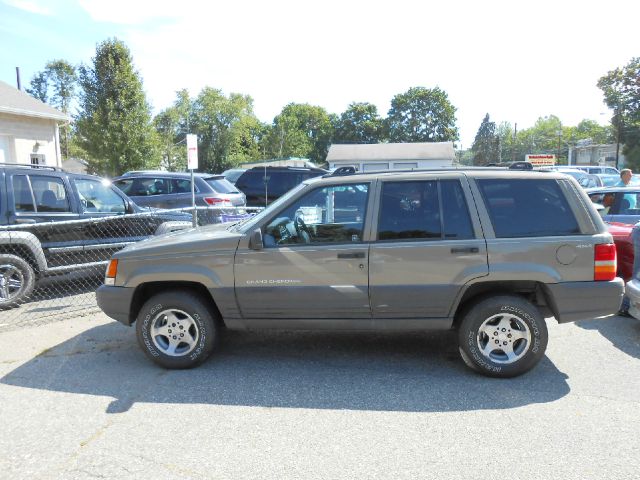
[621,233]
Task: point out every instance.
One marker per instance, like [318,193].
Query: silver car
[173,189]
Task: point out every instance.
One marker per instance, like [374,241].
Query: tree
[172,125]
[114,120]
[300,130]
[228,130]
[56,85]
[621,89]
[485,145]
[422,115]
[359,123]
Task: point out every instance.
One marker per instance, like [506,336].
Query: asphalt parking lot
[78,399]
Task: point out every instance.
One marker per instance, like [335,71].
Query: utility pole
[513,144]
[18,78]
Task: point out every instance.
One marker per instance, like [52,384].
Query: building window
[405,165]
[372,167]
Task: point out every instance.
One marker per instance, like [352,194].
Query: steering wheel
[301,229]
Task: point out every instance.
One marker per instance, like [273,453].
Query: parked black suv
[52,222]
[263,185]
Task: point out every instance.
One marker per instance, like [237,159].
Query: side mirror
[255,240]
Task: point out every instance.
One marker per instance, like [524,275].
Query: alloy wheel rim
[174,332]
[504,338]
[11,282]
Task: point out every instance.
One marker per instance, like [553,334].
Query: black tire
[176,329]
[17,280]
[502,336]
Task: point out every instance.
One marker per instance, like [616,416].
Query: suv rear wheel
[502,336]
[16,280]
[176,329]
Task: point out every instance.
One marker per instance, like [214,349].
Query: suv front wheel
[502,336]
[176,329]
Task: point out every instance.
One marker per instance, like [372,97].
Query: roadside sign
[192,152]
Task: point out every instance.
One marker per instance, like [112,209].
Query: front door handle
[465,250]
[351,255]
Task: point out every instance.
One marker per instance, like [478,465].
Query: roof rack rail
[30,165]
[342,171]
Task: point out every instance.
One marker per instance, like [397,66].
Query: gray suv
[489,253]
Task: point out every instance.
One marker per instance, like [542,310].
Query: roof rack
[342,171]
[30,165]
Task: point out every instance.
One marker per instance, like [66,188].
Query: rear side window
[49,193]
[409,210]
[527,208]
[457,223]
[22,194]
[251,180]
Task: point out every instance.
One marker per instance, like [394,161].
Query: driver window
[99,198]
[332,214]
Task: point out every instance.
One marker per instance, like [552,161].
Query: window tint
[221,185]
[457,223]
[97,197]
[143,187]
[50,194]
[409,210]
[180,185]
[124,185]
[22,194]
[251,180]
[325,215]
[527,208]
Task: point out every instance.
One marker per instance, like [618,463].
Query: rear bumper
[116,302]
[633,292]
[575,301]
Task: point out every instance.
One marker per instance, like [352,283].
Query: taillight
[112,271]
[604,262]
[218,202]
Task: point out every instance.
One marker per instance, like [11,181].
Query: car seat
[48,201]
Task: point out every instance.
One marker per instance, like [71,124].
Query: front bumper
[116,302]
[575,301]
[633,292]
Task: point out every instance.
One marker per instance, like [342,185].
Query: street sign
[192,152]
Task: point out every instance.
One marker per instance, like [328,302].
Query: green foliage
[39,87]
[422,115]
[589,129]
[300,130]
[486,144]
[621,89]
[114,120]
[360,123]
[228,130]
[56,85]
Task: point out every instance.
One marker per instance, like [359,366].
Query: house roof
[392,151]
[15,102]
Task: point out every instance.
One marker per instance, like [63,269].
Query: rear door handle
[465,250]
[351,255]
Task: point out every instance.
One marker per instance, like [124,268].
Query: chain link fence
[51,270]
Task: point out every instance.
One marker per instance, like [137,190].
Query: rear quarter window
[528,208]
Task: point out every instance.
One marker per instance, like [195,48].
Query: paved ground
[79,400]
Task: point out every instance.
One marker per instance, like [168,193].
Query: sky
[516,61]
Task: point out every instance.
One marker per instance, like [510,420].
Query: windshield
[247,224]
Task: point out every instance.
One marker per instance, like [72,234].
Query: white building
[29,129]
[391,156]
